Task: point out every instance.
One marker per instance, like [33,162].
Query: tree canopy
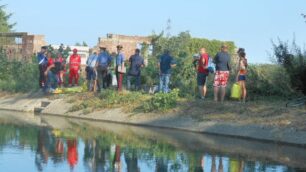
[5,25]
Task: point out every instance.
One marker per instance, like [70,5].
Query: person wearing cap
[103,63]
[119,67]
[42,65]
[91,72]
[74,67]
[222,61]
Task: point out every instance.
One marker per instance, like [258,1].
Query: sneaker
[202,98]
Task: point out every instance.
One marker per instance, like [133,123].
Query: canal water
[53,144]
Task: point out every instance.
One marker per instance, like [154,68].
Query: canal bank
[94,139]
[177,120]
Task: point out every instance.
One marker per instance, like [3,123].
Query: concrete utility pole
[168,28]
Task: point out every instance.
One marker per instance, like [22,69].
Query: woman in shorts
[241,76]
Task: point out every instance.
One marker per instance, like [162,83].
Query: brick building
[20,45]
[129,43]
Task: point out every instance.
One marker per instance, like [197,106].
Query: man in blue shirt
[91,72]
[166,62]
[103,63]
[42,66]
[222,61]
[120,68]
[136,63]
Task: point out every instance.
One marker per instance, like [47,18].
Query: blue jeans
[164,80]
[138,81]
[52,81]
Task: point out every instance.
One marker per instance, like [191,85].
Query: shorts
[241,78]
[221,78]
[201,79]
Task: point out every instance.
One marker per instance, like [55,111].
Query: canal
[45,143]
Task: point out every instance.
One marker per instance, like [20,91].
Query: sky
[251,24]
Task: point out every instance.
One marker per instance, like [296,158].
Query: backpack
[211,65]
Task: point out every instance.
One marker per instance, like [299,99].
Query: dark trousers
[102,77]
[42,77]
[119,77]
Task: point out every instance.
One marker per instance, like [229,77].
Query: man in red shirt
[202,72]
[74,67]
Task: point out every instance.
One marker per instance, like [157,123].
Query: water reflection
[94,150]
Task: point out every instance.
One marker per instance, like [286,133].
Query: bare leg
[244,92]
[216,93]
[204,90]
[223,91]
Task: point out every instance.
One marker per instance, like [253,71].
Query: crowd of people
[100,65]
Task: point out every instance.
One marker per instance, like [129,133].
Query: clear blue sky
[251,24]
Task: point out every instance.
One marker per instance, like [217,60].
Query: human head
[59,55]
[242,55]
[240,50]
[119,48]
[202,50]
[224,48]
[102,49]
[137,51]
[43,49]
[49,54]
[75,51]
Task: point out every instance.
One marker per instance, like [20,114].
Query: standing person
[91,72]
[222,61]
[202,72]
[136,63]
[120,68]
[42,65]
[166,62]
[103,63]
[74,67]
[61,73]
[241,76]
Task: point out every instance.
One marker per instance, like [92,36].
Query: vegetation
[17,76]
[293,60]
[182,48]
[129,101]
[161,101]
[5,25]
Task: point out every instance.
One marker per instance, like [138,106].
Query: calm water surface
[33,143]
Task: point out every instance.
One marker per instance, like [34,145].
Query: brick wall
[129,43]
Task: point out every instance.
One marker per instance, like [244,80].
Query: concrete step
[38,109]
[45,103]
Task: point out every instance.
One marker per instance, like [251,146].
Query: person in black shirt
[51,73]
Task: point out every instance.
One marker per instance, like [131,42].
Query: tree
[5,26]
[85,44]
[293,59]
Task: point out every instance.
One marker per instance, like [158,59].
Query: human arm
[48,69]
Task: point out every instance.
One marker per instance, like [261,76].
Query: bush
[268,80]
[17,76]
[293,60]
[161,101]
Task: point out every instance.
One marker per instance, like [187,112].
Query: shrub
[161,101]
[293,61]
[17,76]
